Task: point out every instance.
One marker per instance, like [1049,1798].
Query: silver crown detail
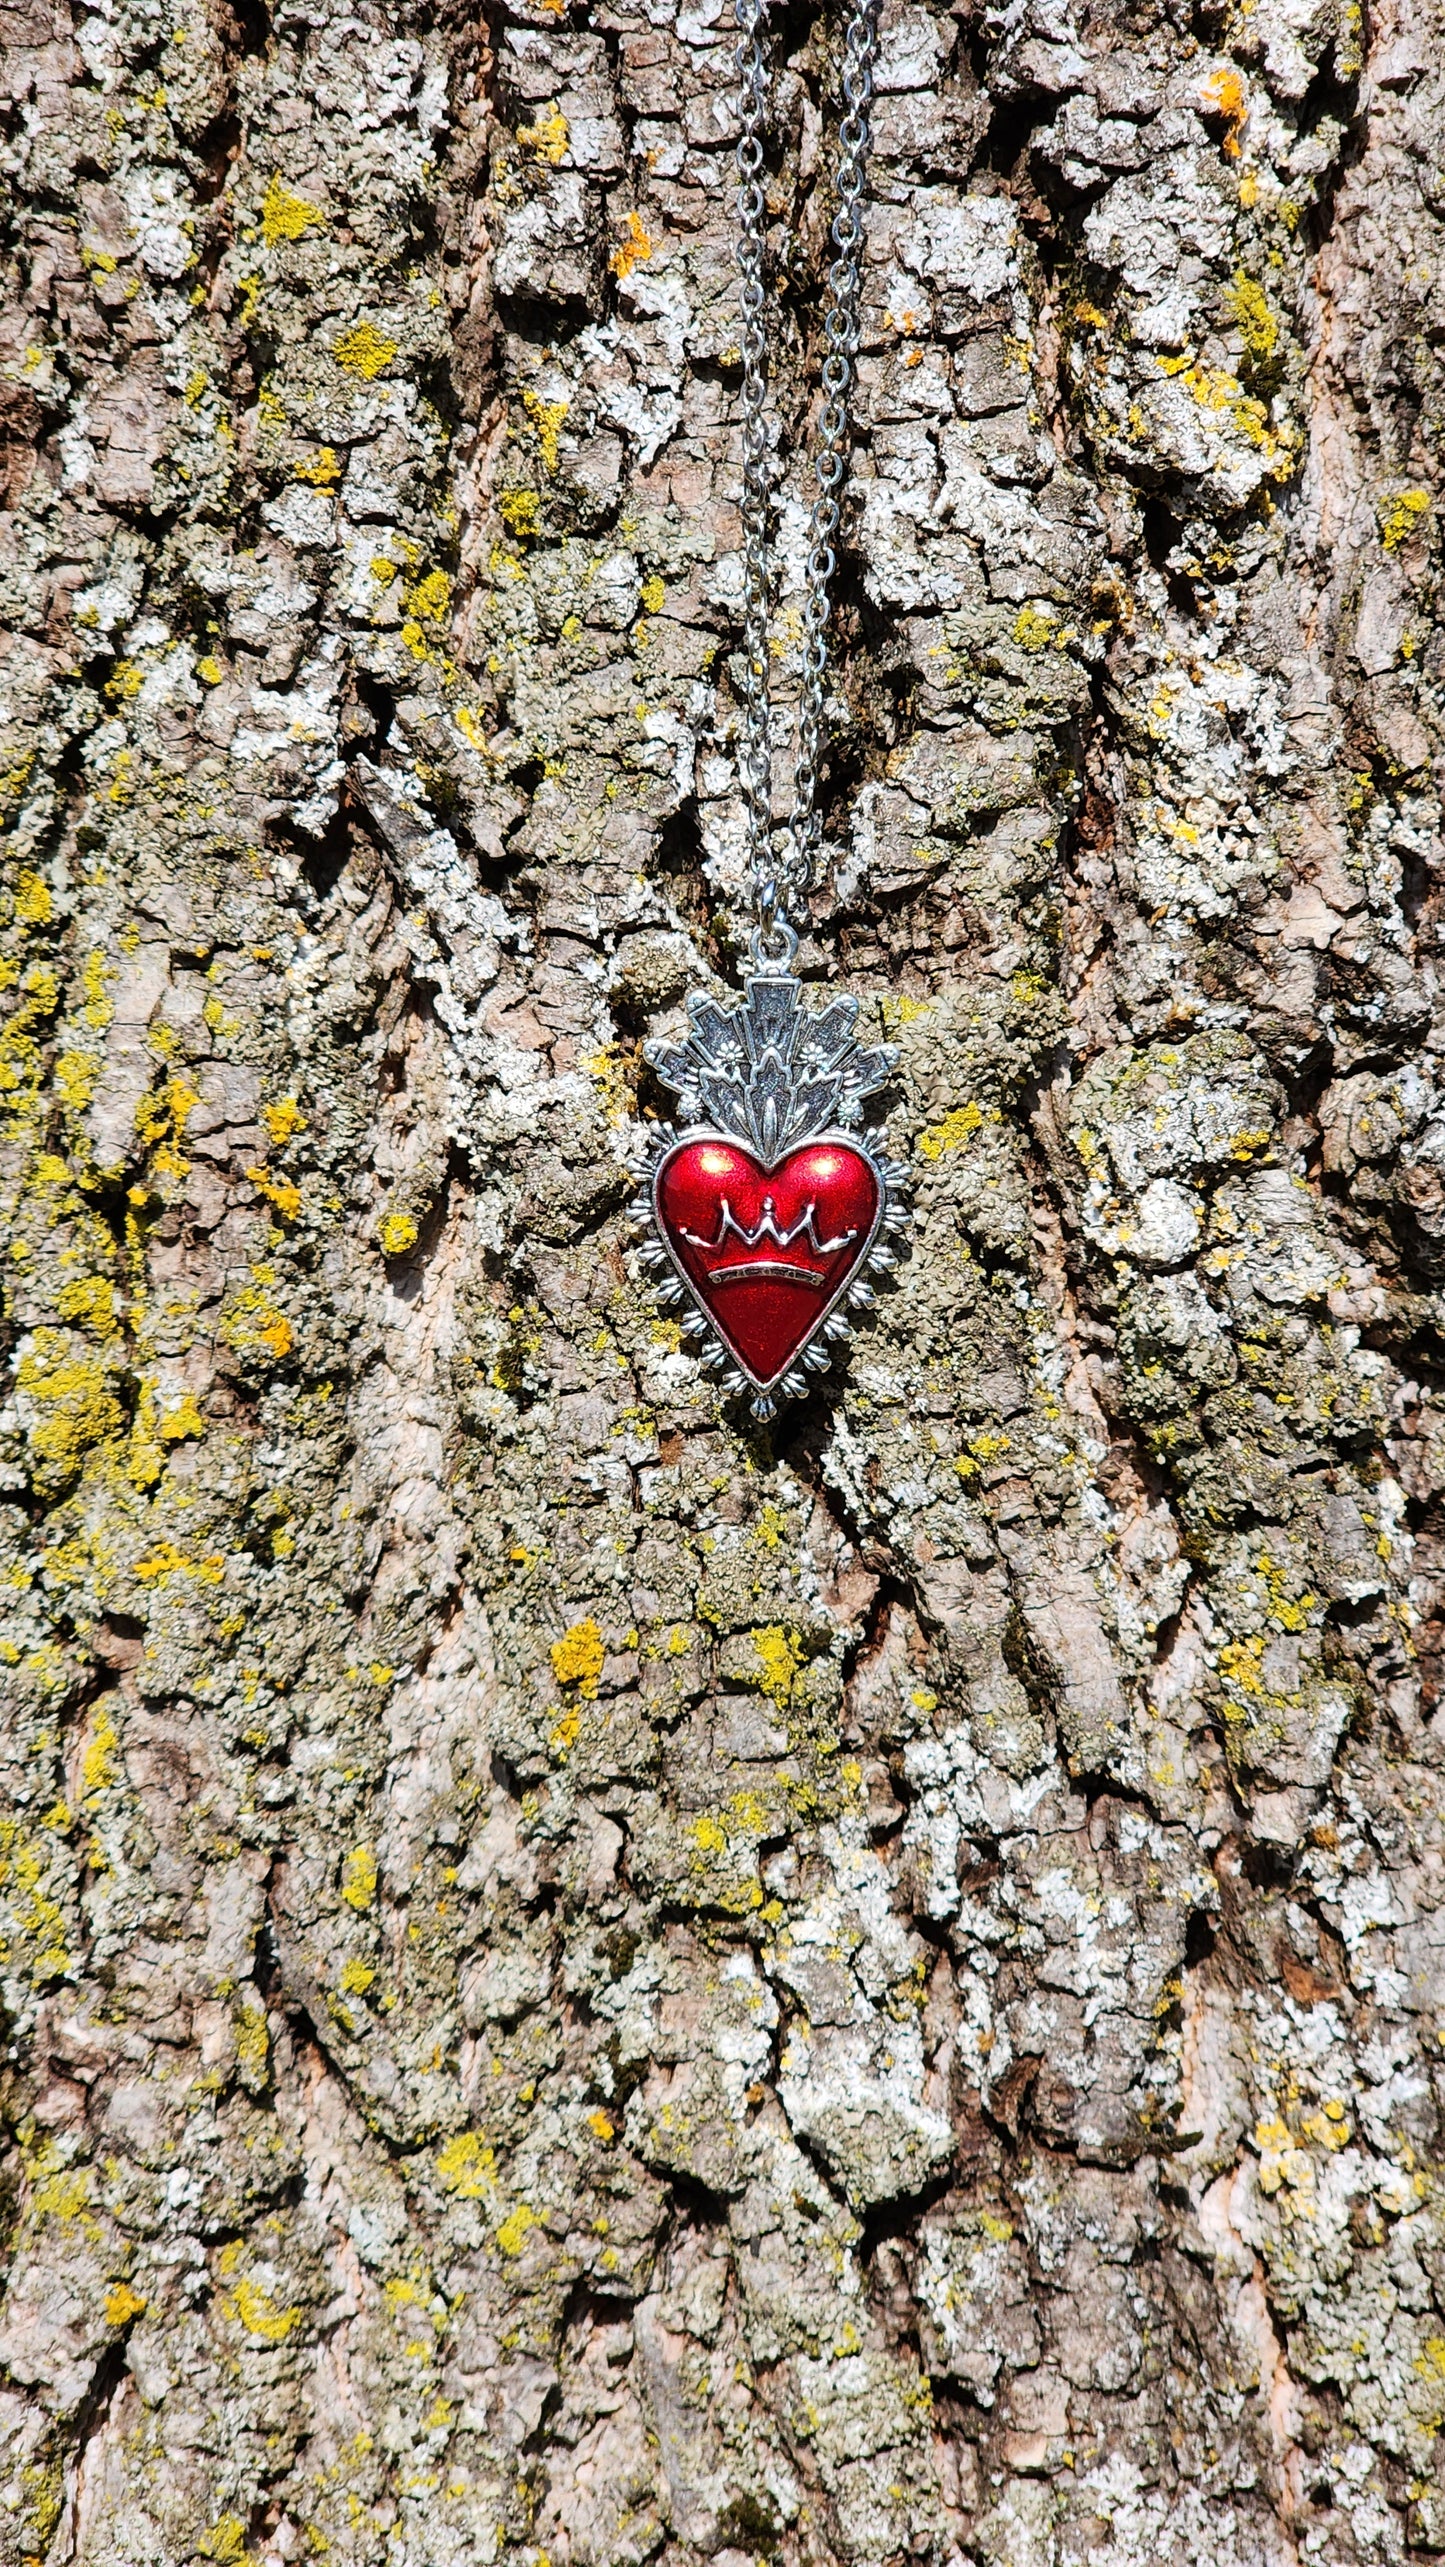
[770,1071]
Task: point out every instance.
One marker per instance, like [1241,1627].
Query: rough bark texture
[584,1981]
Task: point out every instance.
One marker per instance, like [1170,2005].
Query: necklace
[767,1202]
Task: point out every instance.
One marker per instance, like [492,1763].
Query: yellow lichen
[779,1657]
[77,1405]
[75,1077]
[98,1009]
[615,1070]
[1223,95]
[512,2234]
[252,2039]
[467,2166]
[358,1878]
[564,1733]
[1281,2161]
[166,1562]
[260,2315]
[983,1448]
[160,1120]
[1034,630]
[548,138]
[364,350]
[356,1977]
[951,1133]
[20,1052]
[1239,1665]
[36,1916]
[398,1233]
[635,246]
[1214,390]
[577,1658]
[33,904]
[521,512]
[1328,2128]
[546,418]
[282,1119]
[97,1765]
[254,1326]
[1400,517]
[431,597]
[13,781]
[183,1420]
[62,2193]
[90,1299]
[285,217]
[146,1459]
[713,1833]
[1258,326]
[278,1191]
[226,2539]
[1291,1613]
[323,473]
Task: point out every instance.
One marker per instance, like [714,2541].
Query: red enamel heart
[767,1250]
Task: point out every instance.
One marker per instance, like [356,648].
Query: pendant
[767,1204]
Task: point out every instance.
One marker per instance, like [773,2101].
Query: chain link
[779,881]
[755,755]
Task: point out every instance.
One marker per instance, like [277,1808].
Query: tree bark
[585,1980]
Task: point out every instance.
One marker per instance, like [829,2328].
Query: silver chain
[779,880]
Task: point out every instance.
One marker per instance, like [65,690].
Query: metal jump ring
[769,946]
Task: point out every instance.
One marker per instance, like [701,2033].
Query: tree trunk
[588,1980]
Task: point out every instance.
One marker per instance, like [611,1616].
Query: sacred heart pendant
[766,1209]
